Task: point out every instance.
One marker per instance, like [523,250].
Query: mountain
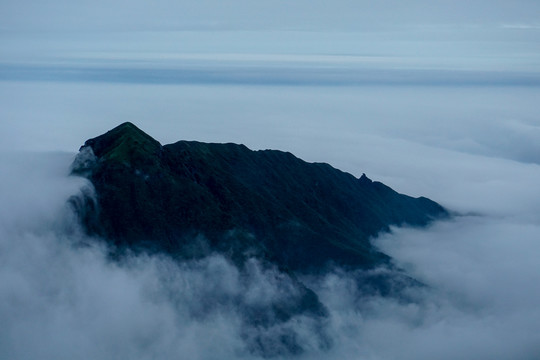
[189,198]
[266,209]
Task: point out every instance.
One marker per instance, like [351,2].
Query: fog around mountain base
[435,99]
[63,298]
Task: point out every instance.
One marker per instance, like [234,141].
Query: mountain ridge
[270,203]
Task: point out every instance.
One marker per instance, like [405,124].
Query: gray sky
[463,35]
[263,14]
[354,35]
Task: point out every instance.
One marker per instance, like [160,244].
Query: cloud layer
[64,299]
[450,113]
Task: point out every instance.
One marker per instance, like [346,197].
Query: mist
[436,100]
[63,298]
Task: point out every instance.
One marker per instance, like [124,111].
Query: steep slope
[188,198]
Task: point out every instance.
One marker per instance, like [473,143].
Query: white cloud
[481,271]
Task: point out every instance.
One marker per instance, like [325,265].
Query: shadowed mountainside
[188,198]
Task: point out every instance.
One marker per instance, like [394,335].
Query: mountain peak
[125,143]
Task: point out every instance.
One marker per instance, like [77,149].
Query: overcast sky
[263,14]
[449,35]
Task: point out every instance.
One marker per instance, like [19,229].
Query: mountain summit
[190,198]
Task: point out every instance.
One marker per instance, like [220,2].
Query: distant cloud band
[283,76]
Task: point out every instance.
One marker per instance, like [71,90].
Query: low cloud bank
[61,298]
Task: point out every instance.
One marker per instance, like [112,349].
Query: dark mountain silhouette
[188,198]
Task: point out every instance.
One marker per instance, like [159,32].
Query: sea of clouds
[433,99]
[474,149]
